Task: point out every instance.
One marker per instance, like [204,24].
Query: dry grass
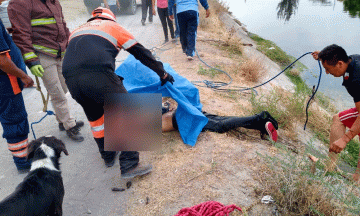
[298,192]
[251,70]
[320,121]
[297,195]
[294,72]
[226,38]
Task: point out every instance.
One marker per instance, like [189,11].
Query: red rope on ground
[209,208]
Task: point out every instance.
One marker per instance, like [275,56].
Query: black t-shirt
[352,83]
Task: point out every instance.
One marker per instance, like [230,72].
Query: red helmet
[104,13]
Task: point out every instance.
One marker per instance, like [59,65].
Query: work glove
[37,70]
[169,78]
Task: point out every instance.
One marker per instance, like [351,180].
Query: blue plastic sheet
[140,79]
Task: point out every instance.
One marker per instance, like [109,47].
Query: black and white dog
[42,191]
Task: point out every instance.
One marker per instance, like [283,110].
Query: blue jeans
[188,23]
[177,30]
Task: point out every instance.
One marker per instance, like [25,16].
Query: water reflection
[353,7]
[287,8]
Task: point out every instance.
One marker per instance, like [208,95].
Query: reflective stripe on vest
[47,50]
[129,44]
[13,80]
[98,33]
[37,22]
[19,149]
[29,55]
[97,127]
[105,35]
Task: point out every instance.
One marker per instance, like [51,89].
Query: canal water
[300,26]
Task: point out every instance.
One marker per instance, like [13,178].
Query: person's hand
[338,145]
[154,12]
[37,70]
[207,13]
[171,17]
[167,78]
[315,55]
[28,82]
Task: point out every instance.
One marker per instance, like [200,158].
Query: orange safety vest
[110,30]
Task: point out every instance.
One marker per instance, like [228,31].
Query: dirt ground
[220,167]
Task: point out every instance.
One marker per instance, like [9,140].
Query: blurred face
[338,70]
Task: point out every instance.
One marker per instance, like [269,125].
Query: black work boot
[78,124]
[107,156]
[136,171]
[111,161]
[74,134]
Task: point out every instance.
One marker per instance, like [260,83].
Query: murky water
[300,26]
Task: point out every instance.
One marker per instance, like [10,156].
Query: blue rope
[48,112]
[217,85]
[312,96]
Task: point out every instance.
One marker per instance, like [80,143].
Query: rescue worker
[13,116]
[89,72]
[40,32]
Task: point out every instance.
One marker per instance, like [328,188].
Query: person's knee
[337,125]
[336,119]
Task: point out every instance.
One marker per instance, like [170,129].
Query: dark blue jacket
[9,84]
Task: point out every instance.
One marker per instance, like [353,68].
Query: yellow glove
[37,70]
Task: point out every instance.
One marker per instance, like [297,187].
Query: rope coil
[209,208]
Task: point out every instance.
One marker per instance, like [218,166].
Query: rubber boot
[22,164]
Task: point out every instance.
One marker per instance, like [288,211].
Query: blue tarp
[140,79]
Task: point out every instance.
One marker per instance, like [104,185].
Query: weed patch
[351,153]
[211,72]
[297,191]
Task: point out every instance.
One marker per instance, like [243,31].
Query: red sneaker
[271,131]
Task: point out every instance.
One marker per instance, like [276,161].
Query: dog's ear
[60,147]
[33,145]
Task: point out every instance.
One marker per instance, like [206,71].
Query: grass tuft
[297,191]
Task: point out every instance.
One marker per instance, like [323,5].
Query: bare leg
[337,130]
[167,122]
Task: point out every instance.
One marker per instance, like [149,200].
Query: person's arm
[146,58]
[65,26]
[153,7]
[9,67]
[20,17]
[341,143]
[205,4]
[170,8]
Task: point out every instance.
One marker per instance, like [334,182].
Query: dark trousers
[222,124]
[177,30]
[188,23]
[165,20]
[145,5]
[89,91]
[13,118]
